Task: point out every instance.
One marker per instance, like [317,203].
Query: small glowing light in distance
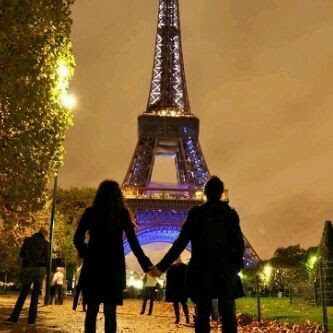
[136,283]
[199,194]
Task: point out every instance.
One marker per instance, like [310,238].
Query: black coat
[217,251]
[175,283]
[34,251]
[103,275]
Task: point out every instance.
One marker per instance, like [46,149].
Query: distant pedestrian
[149,293]
[34,253]
[78,296]
[58,284]
[104,278]
[175,288]
[52,293]
[217,257]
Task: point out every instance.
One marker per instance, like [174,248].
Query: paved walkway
[61,319]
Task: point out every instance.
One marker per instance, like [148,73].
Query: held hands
[154,271]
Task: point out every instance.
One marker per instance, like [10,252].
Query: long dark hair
[108,202]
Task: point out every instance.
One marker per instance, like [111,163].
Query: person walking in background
[52,292]
[175,288]
[34,253]
[217,258]
[104,278]
[78,297]
[58,284]
[149,293]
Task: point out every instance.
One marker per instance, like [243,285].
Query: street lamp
[310,263]
[69,101]
[63,73]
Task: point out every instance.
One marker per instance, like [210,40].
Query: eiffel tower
[167,129]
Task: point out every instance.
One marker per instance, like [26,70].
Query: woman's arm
[80,234]
[144,261]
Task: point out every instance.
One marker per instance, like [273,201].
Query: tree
[287,266]
[290,256]
[36,63]
[10,243]
[310,259]
[72,202]
[70,205]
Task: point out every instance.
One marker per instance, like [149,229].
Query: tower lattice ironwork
[168,85]
[167,128]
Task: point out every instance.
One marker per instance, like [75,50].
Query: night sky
[260,78]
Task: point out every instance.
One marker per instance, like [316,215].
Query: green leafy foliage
[10,243]
[72,202]
[288,266]
[63,246]
[36,63]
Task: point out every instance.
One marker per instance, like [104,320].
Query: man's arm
[23,247]
[179,244]
[45,255]
[238,245]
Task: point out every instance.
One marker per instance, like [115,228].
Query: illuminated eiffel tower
[167,129]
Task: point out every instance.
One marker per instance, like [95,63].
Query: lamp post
[49,265]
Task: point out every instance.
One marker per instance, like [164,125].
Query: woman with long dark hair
[104,276]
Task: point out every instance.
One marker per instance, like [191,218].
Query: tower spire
[168,92]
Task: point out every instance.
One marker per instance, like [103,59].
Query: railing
[162,193]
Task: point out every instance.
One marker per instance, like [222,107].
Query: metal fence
[316,292]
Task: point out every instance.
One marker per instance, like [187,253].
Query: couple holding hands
[217,256]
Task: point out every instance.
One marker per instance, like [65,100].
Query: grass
[273,308]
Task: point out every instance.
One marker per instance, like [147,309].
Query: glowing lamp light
[68,101]
[136,283]
[160,282]
[130,193]
[266,274]
[311,261]
[225,195]
[63,71]
[199,194]
[268,269]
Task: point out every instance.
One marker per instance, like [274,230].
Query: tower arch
[156,234]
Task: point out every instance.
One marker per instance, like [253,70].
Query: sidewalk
[62,319]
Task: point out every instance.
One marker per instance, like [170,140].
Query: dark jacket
[103,276]
[175,283]
[217,251]
[34,251]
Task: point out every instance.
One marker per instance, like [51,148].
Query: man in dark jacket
[34,253]
[175,288]
[217,257]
